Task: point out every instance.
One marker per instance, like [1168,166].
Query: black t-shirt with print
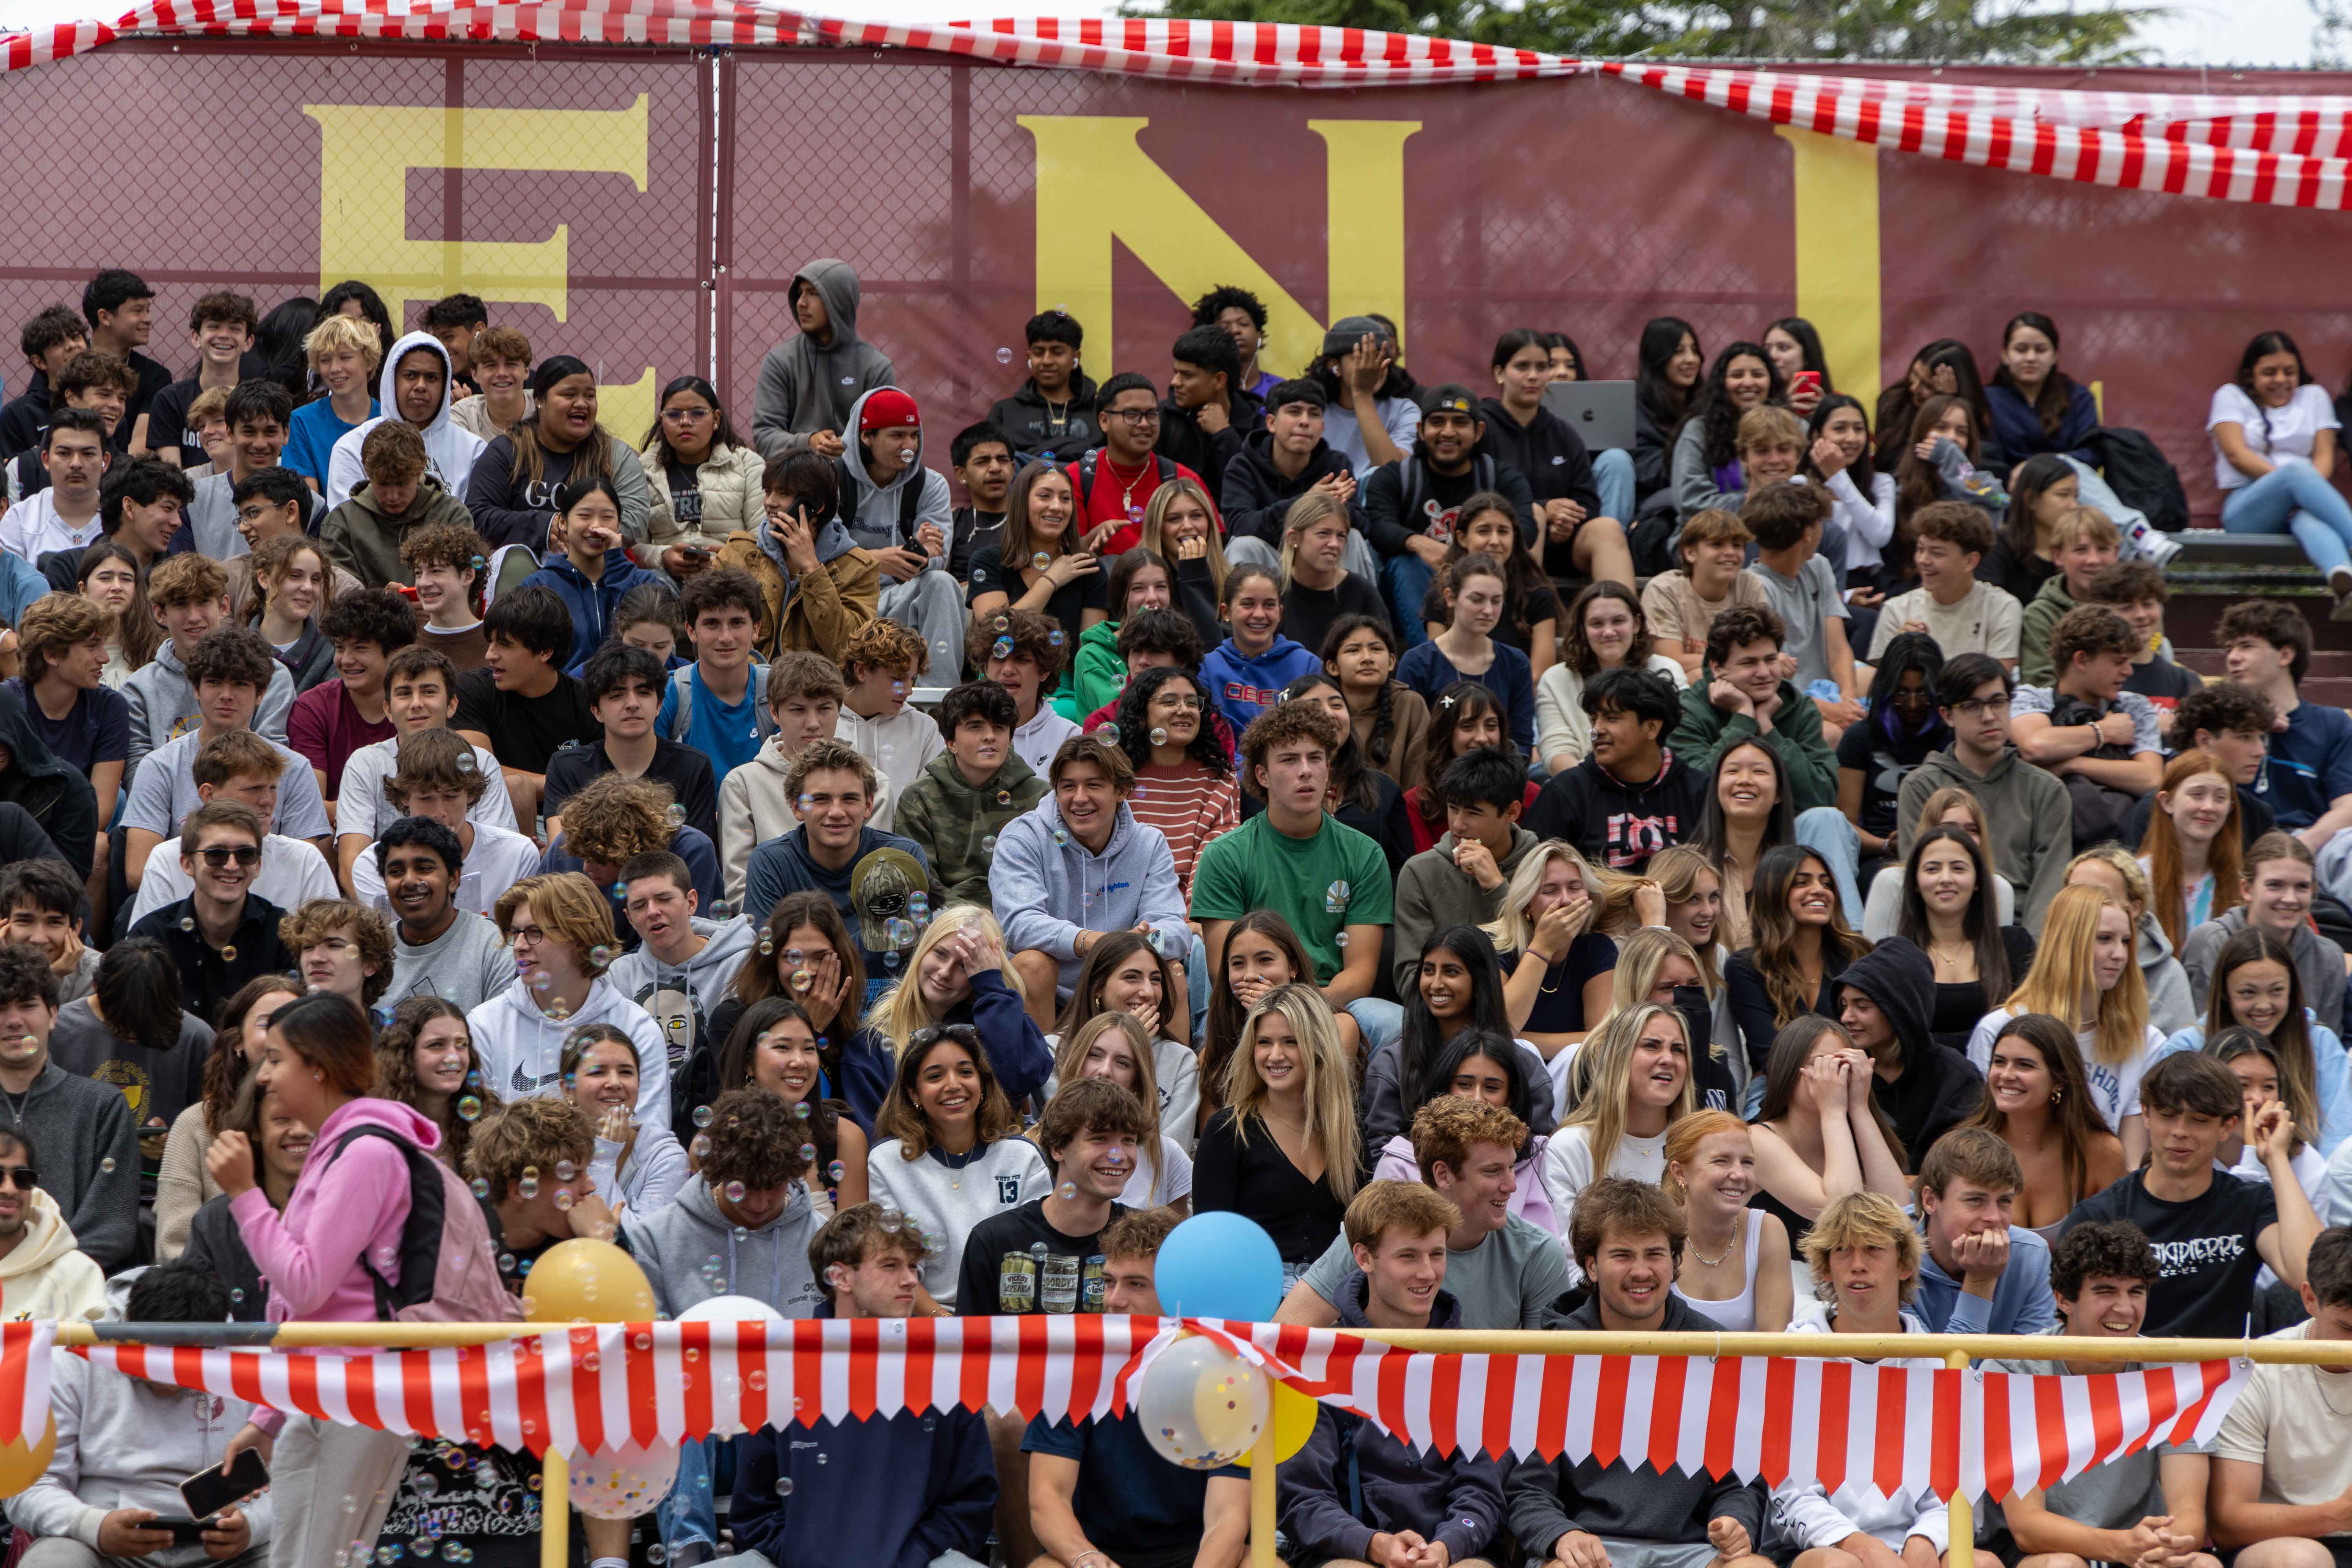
[525,732]
[1017,1263]
[1884,762]
[2205,1252]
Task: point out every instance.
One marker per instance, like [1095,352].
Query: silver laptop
[1599,411]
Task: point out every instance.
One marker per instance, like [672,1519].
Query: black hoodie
[1255,497]
[1182,440]
[1938,1087]
[1616,824]
[1551,457]
[1029,424]
[59,799]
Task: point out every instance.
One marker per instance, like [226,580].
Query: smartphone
[1805,381]
[184,1532]
[208,1491]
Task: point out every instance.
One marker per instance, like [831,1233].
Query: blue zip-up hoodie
[940,1496]
[1353,1480]
[1241,688]
[1047,887]
[591,603]
[1017,1052]
[2331,1066]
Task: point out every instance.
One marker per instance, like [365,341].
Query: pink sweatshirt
[340,1210]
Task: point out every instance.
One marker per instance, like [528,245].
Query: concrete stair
[2215,570]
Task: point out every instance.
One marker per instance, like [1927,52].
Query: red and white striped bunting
[24,1379]
[1891,1425]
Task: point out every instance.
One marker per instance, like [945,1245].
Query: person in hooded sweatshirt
[810,382]
[1631,797]
[1052,414]
[560,930]
[189,594]
[1578,539]
[1280,461]
[832,789]
[512,492]
[1628,1237]
[1079,866]
[124,1444]
[900,513]
[412,387]
[348,1209]
[791,1507]
[1885,1000]
[964,800]
[92,1174]
[816,586]
[588,565]
[1462,880]
[44,1274]
[1352,1483]
[2031,817]
[1243,675]
[683,966]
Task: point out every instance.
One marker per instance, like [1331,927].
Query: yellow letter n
[1096,185]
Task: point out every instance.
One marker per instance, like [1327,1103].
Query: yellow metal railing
[1955,1350]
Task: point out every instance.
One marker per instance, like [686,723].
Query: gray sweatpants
[332,1485]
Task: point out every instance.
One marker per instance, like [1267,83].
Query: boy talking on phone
[818,586]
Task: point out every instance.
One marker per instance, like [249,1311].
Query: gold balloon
[21,1467]
[1293,1422]
[581,1280]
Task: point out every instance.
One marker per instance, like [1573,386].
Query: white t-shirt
[2290,1421]
[1161,1179]
[1566,1166]
[2288,436]
[2113,1089]
[361,805]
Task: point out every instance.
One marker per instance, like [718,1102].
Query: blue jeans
[2295,499]
[1613,475]
[1407,576]
[690,1512]
[1829,833]
[1382,1021]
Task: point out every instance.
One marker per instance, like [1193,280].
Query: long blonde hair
[1639,958]
[1330,1088]
[901,1010]
[1612,896]
[1606,1065]
[1677,871]
[1069,1066]
[2062,974]
[1305,512]
[1155,516]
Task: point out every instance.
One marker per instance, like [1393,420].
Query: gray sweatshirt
[676,1244]
[805,387]
[468,964]
[89,1158]
[2318,964]
[164,705]
[681,998]
[870,510]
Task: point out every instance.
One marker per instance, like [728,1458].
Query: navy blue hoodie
[937,1490]
[1353,1480]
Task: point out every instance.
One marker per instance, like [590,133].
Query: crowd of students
[1764,879]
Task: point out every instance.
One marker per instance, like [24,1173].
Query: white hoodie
[124,1443]
[47,1275]
[449,448]
[522,1048]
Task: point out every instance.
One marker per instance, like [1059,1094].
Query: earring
[2056,1095]
[317,1076]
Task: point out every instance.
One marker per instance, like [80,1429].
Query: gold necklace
[1738,1235]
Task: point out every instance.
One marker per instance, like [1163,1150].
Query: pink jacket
[341,1211]
[1530,1202]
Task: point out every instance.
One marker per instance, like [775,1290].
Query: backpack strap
[764,722]
[681,686]
[420,1233]
[1409,477]
[911,501]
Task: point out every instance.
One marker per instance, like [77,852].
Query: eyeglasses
[532,934]
[1135,415]
[1974,706]
[246,855]
[961,1033]
[25,1177]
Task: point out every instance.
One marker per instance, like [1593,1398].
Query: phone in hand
[208,1491]
[1805,381]
[184,1532]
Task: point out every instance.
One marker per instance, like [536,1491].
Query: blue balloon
[1218,1265]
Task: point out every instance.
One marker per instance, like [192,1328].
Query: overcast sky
[2200,32]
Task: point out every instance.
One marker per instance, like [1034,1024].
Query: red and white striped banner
[25,1349]
[1911,1426]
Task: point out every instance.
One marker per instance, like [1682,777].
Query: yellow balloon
[1293,1422]
[20,1467]
[586,1281]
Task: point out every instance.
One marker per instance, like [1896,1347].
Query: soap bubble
[106,1163]
[187,922]
[735,1192]
[1004,356]
[1109,733]
[808,1152]
[1001,649]
[702,1116]
[228,955]
[1004,797]
[469,1109]
[528,1186]
[783,1486]
[565,1170]
[1040,561]
[481,1188]
[1055,637]
[988,844]
[1340,937]
[701,1147]
[1067,1191]
[835,1170]
[1159,737]
[1061,836]
[800,1110]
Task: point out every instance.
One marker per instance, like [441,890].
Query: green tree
[1977,31]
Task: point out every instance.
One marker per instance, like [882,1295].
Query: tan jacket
[731,497]
[828,607]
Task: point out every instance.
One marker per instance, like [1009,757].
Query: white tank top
[1736,1314]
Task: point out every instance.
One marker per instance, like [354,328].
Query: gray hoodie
[164,705]
[1431,892]
[677,1245]
[2318,964]
[1047,887]
[805,386]
[871,511]
[2168,995]
[122,1442]
[467,964]
[449,448]
[681,999]
[2027,812]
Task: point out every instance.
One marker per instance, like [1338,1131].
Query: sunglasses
[25,1177]
[219,855]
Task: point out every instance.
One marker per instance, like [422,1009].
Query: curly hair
[1447,1125]
[540,1133]
[55,622]
[2274,621]
[231,656]
[611,818]
[901,1116]
[882,644]
[316,919]
[1286,723]
[2224,707]
[1741,624]
[395,1071]
[1034,637]
[271,558]
[1133,717]
[2109,1249]
[449,544]
[571,908]
[1577,653]
[370,615]
[2091,629]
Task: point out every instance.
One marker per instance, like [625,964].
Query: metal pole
[555,1512]
[1261,1468]
[1960,1551]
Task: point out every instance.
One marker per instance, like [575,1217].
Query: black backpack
[1412,477]
[2137,471]
[910,496]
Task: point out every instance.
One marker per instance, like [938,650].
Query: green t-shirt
[1320,885]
